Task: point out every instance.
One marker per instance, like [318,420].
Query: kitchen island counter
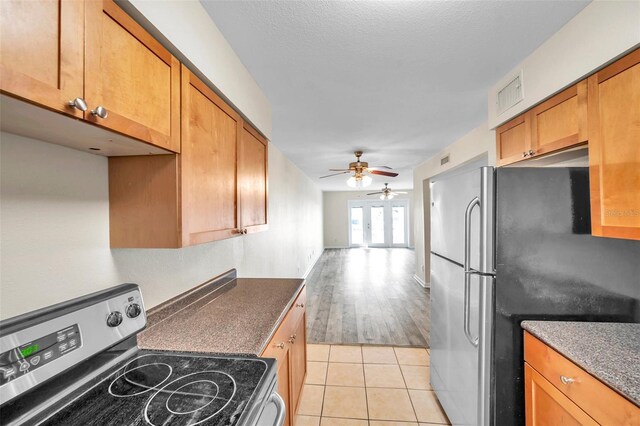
[226,315]
[608,351]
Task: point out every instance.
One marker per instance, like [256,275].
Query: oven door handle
[282,408]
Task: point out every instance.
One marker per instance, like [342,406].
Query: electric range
[78,363]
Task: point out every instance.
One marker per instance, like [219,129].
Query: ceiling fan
[360,170]
[387,193]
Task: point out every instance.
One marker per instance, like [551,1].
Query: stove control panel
[27,357]
[37,346]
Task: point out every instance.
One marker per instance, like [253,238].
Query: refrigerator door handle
[468,271]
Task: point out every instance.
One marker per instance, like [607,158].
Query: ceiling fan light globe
[366,181]
[351,182]
[390,197]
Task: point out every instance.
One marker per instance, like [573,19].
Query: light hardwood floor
[367,296]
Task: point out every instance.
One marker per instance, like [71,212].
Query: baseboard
[336,247]
[420,281]
[306,274]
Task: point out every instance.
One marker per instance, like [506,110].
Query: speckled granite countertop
[232,316]
[608,351]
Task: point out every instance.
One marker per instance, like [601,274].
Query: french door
[378,223]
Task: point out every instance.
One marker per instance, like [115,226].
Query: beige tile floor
[368,386]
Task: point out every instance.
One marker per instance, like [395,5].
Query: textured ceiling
[398,79]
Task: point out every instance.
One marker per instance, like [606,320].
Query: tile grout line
[415,413]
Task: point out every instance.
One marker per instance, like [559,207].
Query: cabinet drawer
[598,400]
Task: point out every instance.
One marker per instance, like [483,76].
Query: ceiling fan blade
[379,167]
[374,193]
[380,172]
[333,174]
[399,192]
[339,170]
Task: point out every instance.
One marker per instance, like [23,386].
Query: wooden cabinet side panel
[252,179]
[546,405]
[598,400]
[208,158]
[614,150]
[131,75]
[41,52]
[143,202]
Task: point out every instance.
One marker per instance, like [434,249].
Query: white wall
[336,215]
[475,144]
[54,229]
[201,44]
[599,33]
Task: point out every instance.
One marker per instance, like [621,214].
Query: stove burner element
[140,379]
[199,397]
[191,399]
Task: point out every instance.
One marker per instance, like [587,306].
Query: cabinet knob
[244,231]
[567,380]
[299,305]
[100,112]
[531,152]
[280,345]
[78,103]
[524,154]
[292,339]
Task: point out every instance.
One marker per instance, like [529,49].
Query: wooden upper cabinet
[205,193]
[513,140]
[560,122]
[614,148]
[41,52]
[132,76]
[252,180]
[210,132]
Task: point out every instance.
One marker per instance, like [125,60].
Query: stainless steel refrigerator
[507,245]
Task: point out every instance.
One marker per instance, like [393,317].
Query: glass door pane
[357,226]
[377,225]
[398,217]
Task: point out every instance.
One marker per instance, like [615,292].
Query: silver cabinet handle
[78,103]
[531,152]
[567,380]
[524,154]
[299,305]
[100,112]
[280,345]
[468,271]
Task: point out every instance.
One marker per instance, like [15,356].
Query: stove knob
[133,310]
[114,319]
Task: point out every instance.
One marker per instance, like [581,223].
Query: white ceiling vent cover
[510,94]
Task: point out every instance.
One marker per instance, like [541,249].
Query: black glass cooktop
[167,389]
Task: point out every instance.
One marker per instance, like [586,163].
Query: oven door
[273,412]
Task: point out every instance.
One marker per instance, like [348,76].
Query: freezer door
[454,359]
[450,197]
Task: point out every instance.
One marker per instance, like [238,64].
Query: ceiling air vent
[444,160]
[510,94]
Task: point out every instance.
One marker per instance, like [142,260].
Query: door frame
[366,217]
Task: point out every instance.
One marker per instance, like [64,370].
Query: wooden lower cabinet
[558,392]
[288,347]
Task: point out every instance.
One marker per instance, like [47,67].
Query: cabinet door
[546,405]
[41,51]
[614,149]
[210,131]
[252,180]
[513,140]
[560,122]
[132,76]
[298,362]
